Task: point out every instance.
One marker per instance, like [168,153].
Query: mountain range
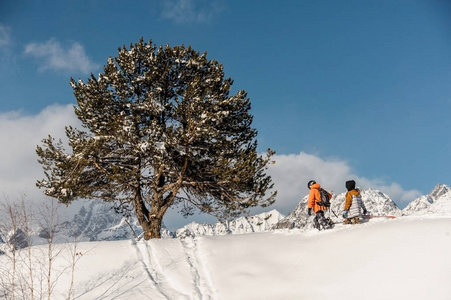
[96,221]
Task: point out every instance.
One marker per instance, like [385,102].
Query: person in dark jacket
[354,208]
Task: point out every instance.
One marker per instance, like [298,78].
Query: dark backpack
[325,198]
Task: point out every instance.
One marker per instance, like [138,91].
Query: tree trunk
[142,213]
[150,221]
[154,228]
[155,218]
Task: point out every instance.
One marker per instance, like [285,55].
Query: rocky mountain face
[258,223]
[376,202]
[97,222]
[438,201]
[94,221]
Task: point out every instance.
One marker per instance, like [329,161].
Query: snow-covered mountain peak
[442,200]
[379,203]
[440,190]
[372,192]
[437,201]
[418,205]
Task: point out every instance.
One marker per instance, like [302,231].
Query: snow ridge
[438,201]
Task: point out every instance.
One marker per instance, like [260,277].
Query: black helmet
[310,183]
[350,185]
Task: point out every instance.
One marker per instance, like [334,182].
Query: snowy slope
[405,258]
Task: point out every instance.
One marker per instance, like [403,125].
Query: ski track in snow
[199,270]
[188,246]
[144,254]
[159,271]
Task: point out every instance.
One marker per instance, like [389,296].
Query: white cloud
[52,56]
[191,11]
[291,173]
[4,36]
[20,135]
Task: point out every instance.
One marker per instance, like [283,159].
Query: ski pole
[333,212]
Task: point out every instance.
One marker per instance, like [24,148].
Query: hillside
[248,258]
[405,258]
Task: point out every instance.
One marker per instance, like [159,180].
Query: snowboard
[373,217]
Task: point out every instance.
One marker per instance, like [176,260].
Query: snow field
[404,258]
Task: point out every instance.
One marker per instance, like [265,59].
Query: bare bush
[29,250]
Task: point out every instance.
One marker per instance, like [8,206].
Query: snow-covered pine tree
[162,130]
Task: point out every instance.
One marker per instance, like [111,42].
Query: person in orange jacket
[313,198]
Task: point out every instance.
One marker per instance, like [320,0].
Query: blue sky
[340,89]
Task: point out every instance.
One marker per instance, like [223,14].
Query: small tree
[162,130]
